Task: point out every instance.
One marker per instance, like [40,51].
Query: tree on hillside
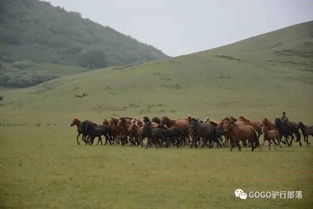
[92,59]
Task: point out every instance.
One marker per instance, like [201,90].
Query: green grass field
[40,170]
[42,167]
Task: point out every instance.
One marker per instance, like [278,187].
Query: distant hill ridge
[38,32]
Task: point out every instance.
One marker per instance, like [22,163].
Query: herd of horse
[165,132]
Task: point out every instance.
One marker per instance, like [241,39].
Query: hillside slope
[36,31]
[231,80]
[290,47]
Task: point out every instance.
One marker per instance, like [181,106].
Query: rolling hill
[34,34]
[257,77]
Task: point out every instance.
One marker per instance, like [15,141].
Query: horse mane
[165,118]
[302,125]
[244,119]
[76,119]
[206,119]
[213,122]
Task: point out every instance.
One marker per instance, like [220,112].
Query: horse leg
[274,143]
[78,139]
[88,140]
[238,145]
[91,140]
[232,146]
[264,139]
[148,143]
[269,144]
[252,144]
[290,143]
[278,140]
[306,140]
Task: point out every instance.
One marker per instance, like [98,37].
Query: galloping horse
[80,129]
[271,134]
[122,129]
[287,129]
[243,132]
[255,124]
[306,132]
[181,124]
[205,131]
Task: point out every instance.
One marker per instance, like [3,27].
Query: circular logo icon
[238,192]
[243,195]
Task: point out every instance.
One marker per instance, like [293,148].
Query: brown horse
[76,122]
[112,123]
[221,128]
[105,122]
[182,124]
[271,134]
[237,133]
[134,133]
[122,129]
[255,124]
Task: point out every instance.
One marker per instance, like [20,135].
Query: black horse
[92,131]
[156,136]
[306,132]
[156,120]
[203,131]
[288,129]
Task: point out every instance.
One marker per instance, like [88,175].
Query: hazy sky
[184,26]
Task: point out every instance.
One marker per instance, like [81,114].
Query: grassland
[42,167]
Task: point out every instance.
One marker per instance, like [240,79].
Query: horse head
[301,125]
[278,123]
[105,122]
[75,121]
[156,120]
[164,121]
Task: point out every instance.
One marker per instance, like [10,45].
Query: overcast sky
[180,27]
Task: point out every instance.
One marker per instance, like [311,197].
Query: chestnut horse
[271,134]
[76,122]
[238,133]
[255,124]
[112,123]
[122,129]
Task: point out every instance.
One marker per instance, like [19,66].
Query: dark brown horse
[182,124]
[204,131]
